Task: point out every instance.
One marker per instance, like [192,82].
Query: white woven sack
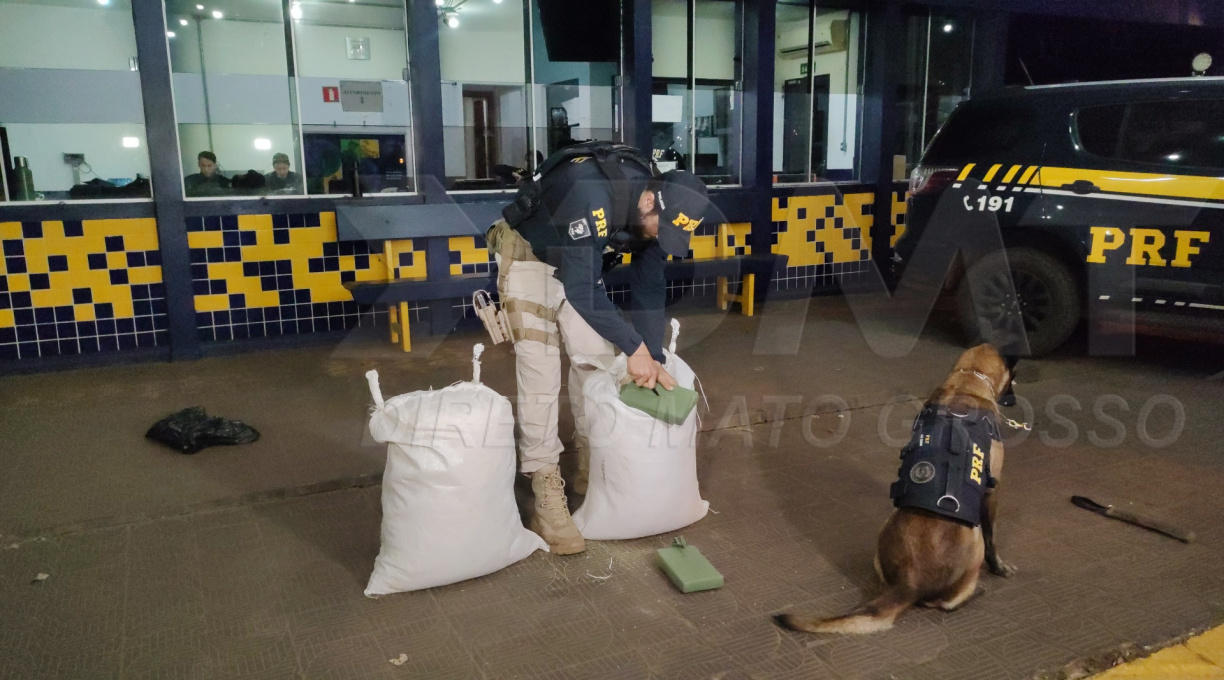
[643,477]
[448,491]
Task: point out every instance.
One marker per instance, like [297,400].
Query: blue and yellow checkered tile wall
[262,275]
[80,287]
[827,236]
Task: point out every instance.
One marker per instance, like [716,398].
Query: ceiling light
[217,14]
[131,142]
[263,143]
[170,34]
[452,21]
[295,10]
[103,2]
[200,7]
[439,3]
[182,22]
[948,28]
[496,2]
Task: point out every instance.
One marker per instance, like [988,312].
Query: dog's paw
[1001,568]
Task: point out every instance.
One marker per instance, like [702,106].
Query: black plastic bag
[192,429]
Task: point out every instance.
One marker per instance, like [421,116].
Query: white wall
[46,144]
[484,56]
[94,38]
[230,47]
[323,51]
[714,37]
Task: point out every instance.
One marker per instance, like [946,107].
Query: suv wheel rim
[1025,310]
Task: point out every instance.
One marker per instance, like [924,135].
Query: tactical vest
[945,468]
[607,156]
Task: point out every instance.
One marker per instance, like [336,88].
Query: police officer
[591,210]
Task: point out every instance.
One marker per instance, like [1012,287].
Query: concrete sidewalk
[248,562]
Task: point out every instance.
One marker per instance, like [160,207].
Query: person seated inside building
[208,181]
[282,180]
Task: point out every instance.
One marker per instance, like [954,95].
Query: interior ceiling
[475,15]
[384,14]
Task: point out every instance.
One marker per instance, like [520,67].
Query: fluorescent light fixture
[263,143]
[452,21]
[295,10]
[182,22]
[496,2]
[200,7]
[131,142]
[103,2]
[217,14]
[1174,157]
[170,34]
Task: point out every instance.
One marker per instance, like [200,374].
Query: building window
[517,85]
[71,113]
[817,92]
[696,122]
[353,97]
[315,102]
[233,96]
[938,76]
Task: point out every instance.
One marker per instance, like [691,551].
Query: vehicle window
[1098,129]
[977,132]
[1169,133]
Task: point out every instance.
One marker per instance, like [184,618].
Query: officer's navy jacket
[573,231]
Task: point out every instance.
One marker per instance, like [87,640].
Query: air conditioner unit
[828,36]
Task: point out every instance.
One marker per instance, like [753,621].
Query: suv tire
[1047,299]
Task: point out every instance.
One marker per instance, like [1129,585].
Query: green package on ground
[671,406]
[688,568]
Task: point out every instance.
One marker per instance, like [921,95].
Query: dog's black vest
[946,466]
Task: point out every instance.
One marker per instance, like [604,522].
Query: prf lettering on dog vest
[945,468]
[685,223]
[979,460]
[601,222]
[1146,245]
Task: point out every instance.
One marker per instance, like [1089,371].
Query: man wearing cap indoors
[551,286]
[208,181]
[282,179]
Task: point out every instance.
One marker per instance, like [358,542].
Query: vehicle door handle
[1081,187]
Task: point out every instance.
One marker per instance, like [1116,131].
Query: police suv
[1105,199]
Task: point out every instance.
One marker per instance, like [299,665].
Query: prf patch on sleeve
[601,222]
[579,229]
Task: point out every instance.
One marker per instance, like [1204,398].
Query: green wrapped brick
[671,406]
[688,568]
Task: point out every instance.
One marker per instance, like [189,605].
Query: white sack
[448,491]
[643,478]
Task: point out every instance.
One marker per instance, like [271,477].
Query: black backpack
[608,156]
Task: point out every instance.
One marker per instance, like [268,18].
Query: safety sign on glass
[331,95]
[361,95]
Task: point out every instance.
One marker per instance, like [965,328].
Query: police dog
[923,557]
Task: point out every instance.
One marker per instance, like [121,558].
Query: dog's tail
[872,617]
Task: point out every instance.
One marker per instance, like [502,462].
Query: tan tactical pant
[535,301]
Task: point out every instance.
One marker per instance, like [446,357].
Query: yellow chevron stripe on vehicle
[991,172]
[1028,174]
[1011,173]
[965,172]
[1148,184]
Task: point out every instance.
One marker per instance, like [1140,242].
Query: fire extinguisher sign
[331,95]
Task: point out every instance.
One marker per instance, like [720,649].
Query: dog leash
[1016,425]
